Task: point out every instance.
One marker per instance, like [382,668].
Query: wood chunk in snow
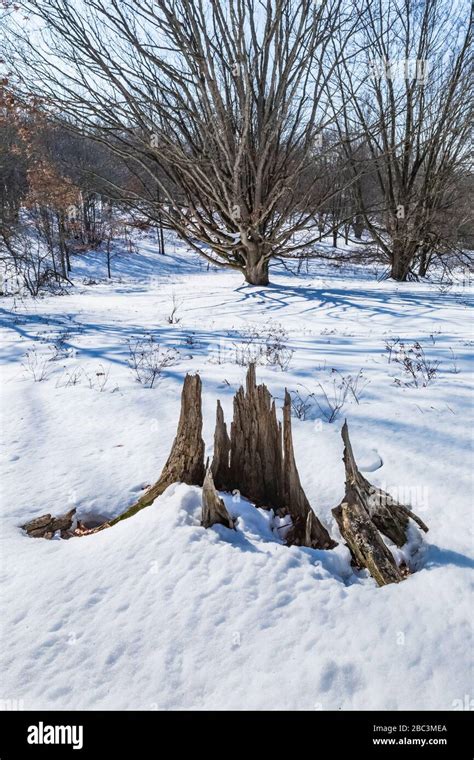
[47,525]
[365,513]
[366,543]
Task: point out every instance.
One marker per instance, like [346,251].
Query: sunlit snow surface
[158,613]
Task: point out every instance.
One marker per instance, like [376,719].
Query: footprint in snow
[371,462]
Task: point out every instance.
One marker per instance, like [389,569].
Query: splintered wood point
[221,458]
[185,463]
[307,529]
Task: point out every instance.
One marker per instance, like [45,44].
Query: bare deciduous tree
[408,97]
[220,103]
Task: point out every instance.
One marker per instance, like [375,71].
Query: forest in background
[254,130]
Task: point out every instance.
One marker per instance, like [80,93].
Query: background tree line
[253,128]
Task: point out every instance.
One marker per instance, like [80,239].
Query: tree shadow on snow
[435,556]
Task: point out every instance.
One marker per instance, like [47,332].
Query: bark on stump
[185,463]
[213,508]
[365,513]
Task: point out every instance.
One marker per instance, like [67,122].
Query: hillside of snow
[159,613]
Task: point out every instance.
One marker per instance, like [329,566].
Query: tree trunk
[257,273]
[256,265]
[185,463]
[109,270]
[425,260]
[62,244]
[402,260]
[358,226]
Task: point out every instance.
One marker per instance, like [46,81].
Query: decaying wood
[366,543]
[390,517]
[213,508]
[364,513]
[47,525]
[262,463]
[185,463]
[307,530]
[255,445]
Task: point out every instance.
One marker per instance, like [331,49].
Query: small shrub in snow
[302,404]
[266,345]
[147,359]
[331,397]
[70,377]
[419,371]
[35,366]
[96,380]
[190,340]
[59,348]
[445,287]
[173,318]
[455,366]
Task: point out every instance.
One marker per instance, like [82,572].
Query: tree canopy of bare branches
[412,117]
[221,104]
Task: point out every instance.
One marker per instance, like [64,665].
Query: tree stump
[258,460]
[213,508]
[255,445]
[185,463]
[365,513]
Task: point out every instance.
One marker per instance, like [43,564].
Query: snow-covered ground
[158,613]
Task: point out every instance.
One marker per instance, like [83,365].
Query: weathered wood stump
[258,460]
[213,508]
[364,514]
[185,463]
